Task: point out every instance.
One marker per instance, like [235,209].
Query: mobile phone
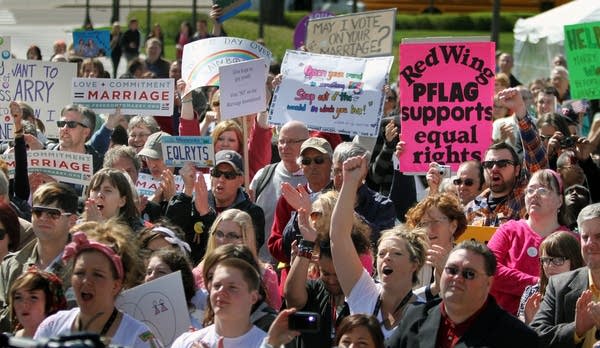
[445,171]
[304,322]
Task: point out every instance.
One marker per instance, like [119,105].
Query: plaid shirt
[513,206]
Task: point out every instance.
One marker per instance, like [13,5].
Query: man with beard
[576,198]
[506,175]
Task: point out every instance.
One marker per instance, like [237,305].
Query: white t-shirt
[131,332]
[208,336]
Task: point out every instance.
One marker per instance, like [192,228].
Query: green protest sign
[582,47]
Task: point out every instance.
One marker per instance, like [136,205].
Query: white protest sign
[202,58]
[146,185]
[180,149]
[365,34]
[4,47]
[44,86]
[243,88]
[160,304]
[152,97]
[67,167]
[331,93]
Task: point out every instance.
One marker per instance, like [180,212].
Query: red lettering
[127,95]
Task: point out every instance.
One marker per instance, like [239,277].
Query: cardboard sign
[45,86]
[331,93]
[153,97]
[243,88]
[67,167]
[300,30]
[160,304]
[92,43]
[231,7]
[202,58]
[4,47]
[146,185]
[447,90]
[582,48]
[481,234]
[365,34]
[177,150]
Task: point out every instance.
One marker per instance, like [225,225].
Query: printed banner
[153,97]
[365,34]
[92,43]
[146,185]
[67,167]
[231,7]
[45,86]
[447,91]
[180,149]
[4,47]
[582,48]
[243,88]
[331,93]
[160,304]
[202,58]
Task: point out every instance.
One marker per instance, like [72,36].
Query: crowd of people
[310,221]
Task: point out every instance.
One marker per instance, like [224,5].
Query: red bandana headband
[81,243]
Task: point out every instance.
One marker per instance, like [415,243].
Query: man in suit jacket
[569,316]
[466,315]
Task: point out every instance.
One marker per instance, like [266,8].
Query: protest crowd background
[231,198]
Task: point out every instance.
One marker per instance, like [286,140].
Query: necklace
[106,326]
[402,303]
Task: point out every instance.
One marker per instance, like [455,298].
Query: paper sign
[152,97]
[365,34]
[45,86]
[481,234]
[447,93]
[92,43]
[202,58]
[4,47]
[67,167]
[180,149]
[300,30]
[243,88]
[160,304]
[331,93]
[231,7]
[582,47]
[146,185]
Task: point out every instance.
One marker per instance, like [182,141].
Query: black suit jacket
[555,321]
[493,328]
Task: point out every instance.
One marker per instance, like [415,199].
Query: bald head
[291,136]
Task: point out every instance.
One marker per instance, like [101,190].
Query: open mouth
[86,296]
[100,206]
[496,177]
[387,270]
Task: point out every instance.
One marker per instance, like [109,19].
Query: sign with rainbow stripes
[202,59]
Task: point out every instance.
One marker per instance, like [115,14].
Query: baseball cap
[153,146]
[230,157]
[318,144]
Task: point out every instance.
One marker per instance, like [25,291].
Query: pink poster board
[446,99]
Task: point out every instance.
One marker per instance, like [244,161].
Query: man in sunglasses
[465,314]
[54,212]
[569,315]
[505,173]
[226,192]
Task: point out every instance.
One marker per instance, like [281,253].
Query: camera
[304,322]
[566,142]
[445,171]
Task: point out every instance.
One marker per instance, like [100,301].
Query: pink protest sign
[446,91]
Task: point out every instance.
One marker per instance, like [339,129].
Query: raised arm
[345,258]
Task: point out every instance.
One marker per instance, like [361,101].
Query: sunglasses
[556,261]
[215,173]
[53,213]
[467,274]
[70,124]
[500,163]
[307,161]
[466,182]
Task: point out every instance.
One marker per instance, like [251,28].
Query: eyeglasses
[70,124]
[290,141]
[139,135]
[215,173]
[467,182]
[307,161]
[467,274]
[227,236]
[500,163]
[545,137]
[540,190]
[53,213]
[426,224]
[556,261]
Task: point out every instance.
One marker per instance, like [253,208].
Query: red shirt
[449,333]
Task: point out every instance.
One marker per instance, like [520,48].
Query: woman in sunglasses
[560,252]
[516,242]
[443,218]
